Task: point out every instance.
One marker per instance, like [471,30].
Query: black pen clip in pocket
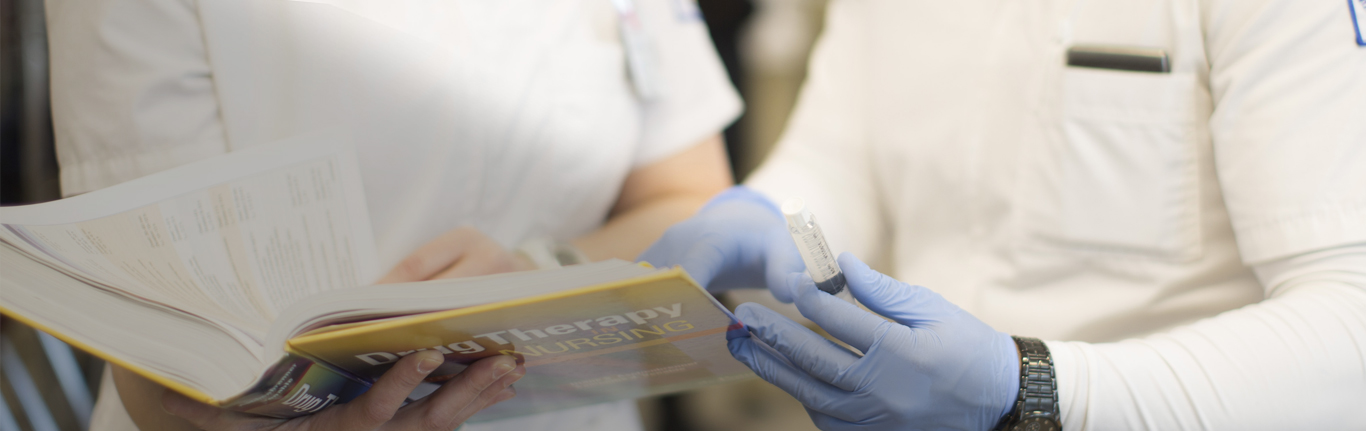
[1134,59]
[1121,175]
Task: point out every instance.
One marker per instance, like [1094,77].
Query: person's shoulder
[664,17]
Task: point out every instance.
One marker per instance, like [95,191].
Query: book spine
[298,386]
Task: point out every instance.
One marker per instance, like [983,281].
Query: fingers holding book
[484,383]
[460,252]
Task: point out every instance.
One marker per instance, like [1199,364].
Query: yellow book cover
[637,337]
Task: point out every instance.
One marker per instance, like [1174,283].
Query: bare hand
[461,252]
[484,383]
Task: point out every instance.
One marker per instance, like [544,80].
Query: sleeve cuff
[686,126]
[1071,370]
[1303,232]
[696,99]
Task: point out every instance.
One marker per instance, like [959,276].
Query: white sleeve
[132,91]
[697,99]
[1289,130]
[823,156]
[1288,82]
[1295,361]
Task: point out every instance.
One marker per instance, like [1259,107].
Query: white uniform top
[515,117]
[1214,217]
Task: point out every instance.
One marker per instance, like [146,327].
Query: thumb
[660,254]
[906,304]
[701,255]
[703,260]
[379,404]
[847,322]
[782,259]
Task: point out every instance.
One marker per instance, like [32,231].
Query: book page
[366,306]
[233,239]
[172,348]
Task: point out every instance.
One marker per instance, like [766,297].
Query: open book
[237,282]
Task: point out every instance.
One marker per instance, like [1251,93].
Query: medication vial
[820,262]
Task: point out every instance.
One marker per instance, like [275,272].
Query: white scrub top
[1214,217]
[515,117]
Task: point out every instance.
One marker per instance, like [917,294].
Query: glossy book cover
[633,338]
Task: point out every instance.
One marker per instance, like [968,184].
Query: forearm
[657,196]
[627,234]
[1295,360]
[142,399]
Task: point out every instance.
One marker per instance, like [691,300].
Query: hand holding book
[460,252]
[484,383]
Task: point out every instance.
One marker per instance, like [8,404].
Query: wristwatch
[1036,408]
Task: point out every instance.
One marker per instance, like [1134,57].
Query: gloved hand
[935,367]
[738,239]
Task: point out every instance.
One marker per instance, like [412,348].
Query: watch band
[1036,407]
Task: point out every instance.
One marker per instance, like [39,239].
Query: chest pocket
[1119,174]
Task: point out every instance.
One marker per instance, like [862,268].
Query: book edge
[432,316]
[181,388]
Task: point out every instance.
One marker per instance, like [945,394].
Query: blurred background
[47,386]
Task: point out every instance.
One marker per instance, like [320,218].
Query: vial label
[820,264]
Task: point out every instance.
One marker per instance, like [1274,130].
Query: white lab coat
[1194,241]
[515,117]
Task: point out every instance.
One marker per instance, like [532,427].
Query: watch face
[1037,424]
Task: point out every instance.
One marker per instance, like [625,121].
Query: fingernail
[742,312]
[429,362]
[503,368]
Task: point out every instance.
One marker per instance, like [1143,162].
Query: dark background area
[28,166]
[45,384]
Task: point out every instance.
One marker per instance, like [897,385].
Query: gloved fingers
[782,259]
[774,368]
[702,255]
[839,420]
[809,351]
[907,304]
[668,249]
[658,254]
[703,260]
[847,322]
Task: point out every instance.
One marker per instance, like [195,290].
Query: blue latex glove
[935,367]
[738,239]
